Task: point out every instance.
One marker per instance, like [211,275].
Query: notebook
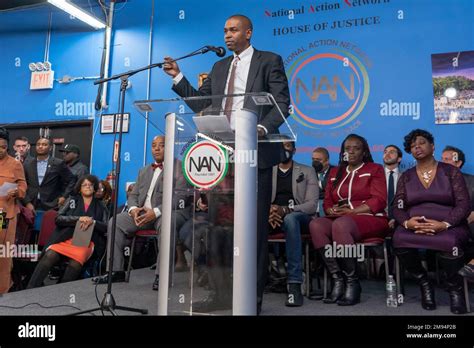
[82,238]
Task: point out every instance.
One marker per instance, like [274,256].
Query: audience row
[429,206]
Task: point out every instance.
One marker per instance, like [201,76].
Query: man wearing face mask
[294,200]
[322,167]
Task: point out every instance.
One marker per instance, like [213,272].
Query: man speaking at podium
[247,70]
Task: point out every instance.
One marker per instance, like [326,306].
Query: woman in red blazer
[354,202]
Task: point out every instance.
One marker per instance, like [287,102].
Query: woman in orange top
[11,171]
[86,209]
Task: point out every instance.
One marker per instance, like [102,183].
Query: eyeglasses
[87,185]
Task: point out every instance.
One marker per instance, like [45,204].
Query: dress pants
[7,237]
[125,230]
[264,197]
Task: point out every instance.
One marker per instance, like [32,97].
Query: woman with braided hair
[354,203]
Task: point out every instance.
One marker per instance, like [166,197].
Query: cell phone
[342,202]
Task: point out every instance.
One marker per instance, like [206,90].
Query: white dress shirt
[240,83]
[151,189]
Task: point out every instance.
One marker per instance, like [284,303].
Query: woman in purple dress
[431,206]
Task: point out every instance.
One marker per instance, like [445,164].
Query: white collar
[355,170]
[248,52]
[387,171]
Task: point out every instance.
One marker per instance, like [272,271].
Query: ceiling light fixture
[77,12]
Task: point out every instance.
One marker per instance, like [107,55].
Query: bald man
[144,212]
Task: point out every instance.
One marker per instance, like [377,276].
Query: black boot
[353,288]
[451,266]
[336,276]
[410,259]
[295,297]
[428,301]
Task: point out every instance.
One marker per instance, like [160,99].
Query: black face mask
[288,156]
[318,166]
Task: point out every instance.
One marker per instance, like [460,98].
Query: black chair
[306,239]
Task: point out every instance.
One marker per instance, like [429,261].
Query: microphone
[220,51]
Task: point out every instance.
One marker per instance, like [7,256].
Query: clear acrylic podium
[210,200]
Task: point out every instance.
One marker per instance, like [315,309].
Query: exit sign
[42,79]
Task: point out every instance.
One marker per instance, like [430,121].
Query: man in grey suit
[295,193]
[144,212]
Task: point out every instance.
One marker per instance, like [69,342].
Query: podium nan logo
[205,164]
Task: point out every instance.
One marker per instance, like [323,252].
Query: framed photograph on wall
[107,124]
[126,122]
[453,87]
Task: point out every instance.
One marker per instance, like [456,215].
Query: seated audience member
[124,207]
[49,179]
[21,146]
[354,203]
[456,157]
[104,193]
[322,167]
[86,209]
[294,201]
[71,154]
[11,171]
[392,156]
[145,202]
[431,206]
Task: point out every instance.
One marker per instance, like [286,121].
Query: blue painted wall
[394,53]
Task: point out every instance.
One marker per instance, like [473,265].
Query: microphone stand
[108,302]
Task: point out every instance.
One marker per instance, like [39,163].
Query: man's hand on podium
[170,67]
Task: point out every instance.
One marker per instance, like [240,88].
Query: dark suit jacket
[266,74]
[58,182]
[79,169]
[324,183]
[470,187]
